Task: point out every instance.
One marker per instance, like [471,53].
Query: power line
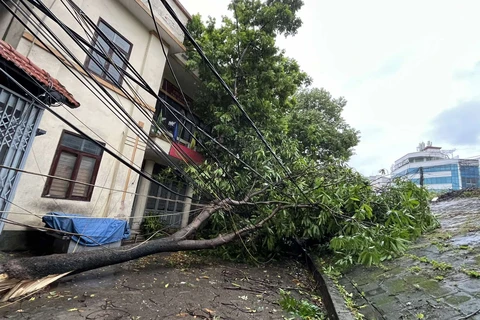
[231,181]
[238,158]
[120,71]
[78,130]
[166,214]
[152,92]
[137,129]
[175,111]
[230,93]
[125,61]
[87,184]
[87,137]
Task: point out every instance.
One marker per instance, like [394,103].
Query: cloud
[458,126]
[401,76]
[469,74]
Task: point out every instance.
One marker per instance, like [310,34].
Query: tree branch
[226,238]
[197,222]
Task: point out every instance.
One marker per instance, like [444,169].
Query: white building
[441,171]
[62,152]
[379,181]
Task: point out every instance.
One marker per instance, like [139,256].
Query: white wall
[442,186]
[162,13]
[148,59]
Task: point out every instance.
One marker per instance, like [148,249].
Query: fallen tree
[345,213]
[42,266]
[302,189]
[24,275]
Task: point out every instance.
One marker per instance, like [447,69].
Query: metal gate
[19,119]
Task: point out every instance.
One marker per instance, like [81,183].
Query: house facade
[109,189]
[441,171]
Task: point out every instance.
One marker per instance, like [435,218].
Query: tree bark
[39,267]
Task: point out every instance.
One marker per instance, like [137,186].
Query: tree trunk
[38,267]
[56,264]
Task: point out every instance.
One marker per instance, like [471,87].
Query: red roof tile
[10,54]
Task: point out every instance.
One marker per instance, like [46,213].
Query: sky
[410,70]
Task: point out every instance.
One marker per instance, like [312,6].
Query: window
[124,48]
[76,159]
[173,120]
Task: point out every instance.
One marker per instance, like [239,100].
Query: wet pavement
[439,278]
[173,286]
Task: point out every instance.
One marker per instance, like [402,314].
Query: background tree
[316,122]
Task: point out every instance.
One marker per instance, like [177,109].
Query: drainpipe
[143,188]
[121,147]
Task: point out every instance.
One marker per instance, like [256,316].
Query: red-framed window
[75,159]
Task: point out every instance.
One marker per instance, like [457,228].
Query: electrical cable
[125,61]
[230,93]
[229,177]
[167,214]
[56,114]
[132,99]
[155,147]
[179,150]
[143,174]
[87,184]
[168,107]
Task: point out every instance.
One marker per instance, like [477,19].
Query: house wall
[147,58]
[162,13]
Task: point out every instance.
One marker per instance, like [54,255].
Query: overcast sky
[409,69]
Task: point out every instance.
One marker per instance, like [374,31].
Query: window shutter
[65,166]
[85,172]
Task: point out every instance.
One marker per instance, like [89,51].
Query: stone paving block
[382,299]
[375,291]
[436,289]
[471,286]
[457,299]
[413,298]
[393,272]
[441,314]
[369,286]
[392,309]
[415,278]
[464,302]
[396,285]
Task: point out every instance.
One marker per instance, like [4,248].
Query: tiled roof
[10,54]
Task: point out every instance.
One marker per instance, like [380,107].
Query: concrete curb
[331,297]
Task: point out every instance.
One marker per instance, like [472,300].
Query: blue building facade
[439,171]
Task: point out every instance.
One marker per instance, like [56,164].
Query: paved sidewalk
[438,279]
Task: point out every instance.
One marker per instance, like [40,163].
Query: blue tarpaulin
[96,231]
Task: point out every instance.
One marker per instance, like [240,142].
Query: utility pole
[421,176]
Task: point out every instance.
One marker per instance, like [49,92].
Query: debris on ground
[175,286]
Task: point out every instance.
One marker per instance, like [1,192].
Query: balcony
[176,135]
